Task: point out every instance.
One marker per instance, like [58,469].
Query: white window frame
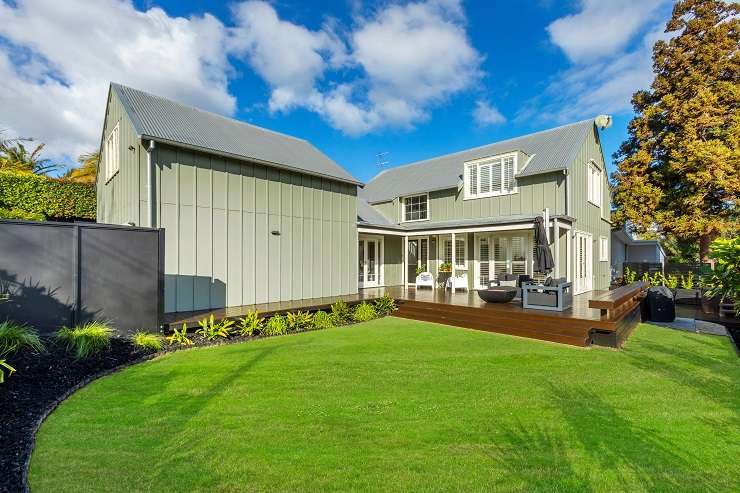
[403,208]
[603,249]
[595,184]
[477,163]
[111,154]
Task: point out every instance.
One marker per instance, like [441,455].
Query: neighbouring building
[626,249]
[254,216]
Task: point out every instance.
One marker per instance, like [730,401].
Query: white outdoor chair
[425,279]
[460,281]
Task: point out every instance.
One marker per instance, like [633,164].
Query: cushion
[511,283]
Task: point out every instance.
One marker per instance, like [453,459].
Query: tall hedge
[29,196]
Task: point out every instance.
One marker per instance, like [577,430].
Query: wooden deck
[578,326]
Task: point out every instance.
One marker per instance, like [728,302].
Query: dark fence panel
[61,273]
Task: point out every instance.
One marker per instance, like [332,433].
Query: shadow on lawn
[535,459]
[638,457]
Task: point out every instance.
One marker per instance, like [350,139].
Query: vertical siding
[117,200]
[392,260]
[219,215]
[588,217]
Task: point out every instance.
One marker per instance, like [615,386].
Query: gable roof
[367,215]
[550,150]
[160,119]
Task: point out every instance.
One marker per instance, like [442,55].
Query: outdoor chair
[554,295]
[460,281]
[425,279]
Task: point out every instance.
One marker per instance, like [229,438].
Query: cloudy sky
[411,79]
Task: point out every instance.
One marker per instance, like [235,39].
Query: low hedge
[29,196]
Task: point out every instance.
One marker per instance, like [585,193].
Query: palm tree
[14,156]
[88,169]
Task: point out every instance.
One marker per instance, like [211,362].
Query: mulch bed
[42,381]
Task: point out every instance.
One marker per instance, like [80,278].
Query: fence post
[77,308]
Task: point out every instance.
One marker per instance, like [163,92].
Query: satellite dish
[603,121]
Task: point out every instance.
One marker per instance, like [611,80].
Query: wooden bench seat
[620,308]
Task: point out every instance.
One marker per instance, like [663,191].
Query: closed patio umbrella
[543,257]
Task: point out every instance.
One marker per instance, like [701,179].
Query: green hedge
[29,196]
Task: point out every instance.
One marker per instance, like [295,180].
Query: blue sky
[413,79]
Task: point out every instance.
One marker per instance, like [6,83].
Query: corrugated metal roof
[160,118]
[367,215]
[550,150]
[452,223]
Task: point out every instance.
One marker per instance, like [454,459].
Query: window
[415,208]
[594,184]
[110,155]
[603,249]
[459,252]
[490,176]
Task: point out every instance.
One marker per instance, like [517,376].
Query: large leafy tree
[679,170]
[88,169]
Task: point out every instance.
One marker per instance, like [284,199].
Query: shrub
[657,279]
[210,330]
[364,312]
[645,278]
[14,336]
[85,340]
[180,337]
[340,313]
[147,340]
[276,326]
[385,305]
[41,197]
[629,276]
[4,366]
[250,324]
[671,281]
[687,281]
[6,213]
[297,321]
[322,320]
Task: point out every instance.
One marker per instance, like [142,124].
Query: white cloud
[601,28]
[73,49]
[485,114]
[402,60]
[606,83]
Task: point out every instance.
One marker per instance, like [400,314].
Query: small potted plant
[687,292]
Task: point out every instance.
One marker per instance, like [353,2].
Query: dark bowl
[498,294]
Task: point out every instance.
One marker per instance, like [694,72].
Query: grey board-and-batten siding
[238,233]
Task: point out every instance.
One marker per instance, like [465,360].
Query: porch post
[452,270]
[556,234]
[405,260]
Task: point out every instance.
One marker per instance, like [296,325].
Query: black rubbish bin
[661,304]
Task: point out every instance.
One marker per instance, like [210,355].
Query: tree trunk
[704,242]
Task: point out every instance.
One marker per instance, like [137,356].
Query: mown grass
[398,405]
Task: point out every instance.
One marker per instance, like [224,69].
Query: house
[626,248]
[250,215]
[253,216]
[473,211]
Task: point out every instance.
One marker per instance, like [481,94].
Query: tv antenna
[381,160]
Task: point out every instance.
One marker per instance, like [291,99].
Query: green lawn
[400,405]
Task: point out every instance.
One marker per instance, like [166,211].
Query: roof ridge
[200,110]
[423,161]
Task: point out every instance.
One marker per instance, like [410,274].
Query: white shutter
[509,174]
[485,178]
[518,255]
[483,259]
[459,252]
[499,258]
[496,176]
[472,180]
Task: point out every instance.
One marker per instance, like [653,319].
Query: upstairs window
[111,163]
[490,176]
[416,208]
[594,184]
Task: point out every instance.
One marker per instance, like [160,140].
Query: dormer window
[416,207]
[490,176]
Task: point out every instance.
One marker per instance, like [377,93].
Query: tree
[88,169]
[14,156]
[679,169]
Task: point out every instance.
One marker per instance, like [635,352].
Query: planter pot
[727,308]
[442,278]
[688,296]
